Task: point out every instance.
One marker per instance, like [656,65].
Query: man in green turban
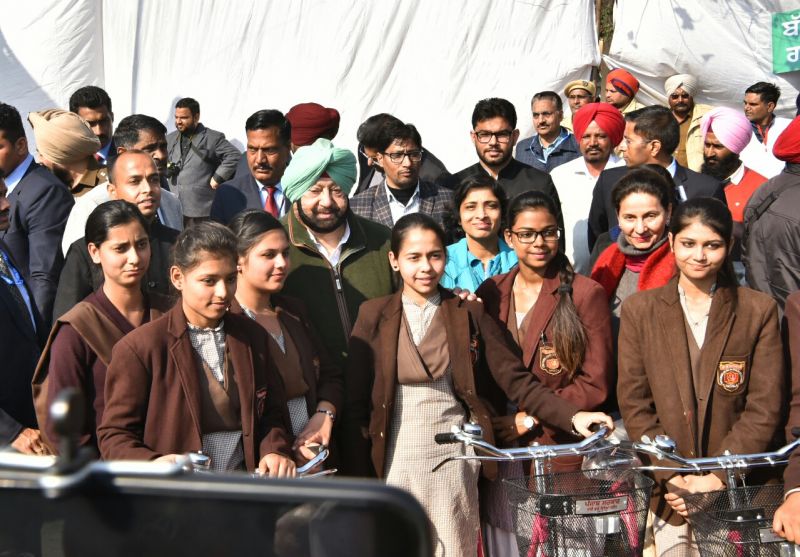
[338,258]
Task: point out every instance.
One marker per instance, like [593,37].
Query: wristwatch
[529,422]
[328,413]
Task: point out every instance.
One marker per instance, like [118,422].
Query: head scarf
[683,80]
[588,86]
[63,137]
[311,162]
[731,127]
[787,146]
[623,82]
[311,121]
[608,117]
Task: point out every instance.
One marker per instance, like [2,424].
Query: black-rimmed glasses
[399,156]
[529,236]
[503,136]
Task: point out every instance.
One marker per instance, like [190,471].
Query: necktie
[98,157]
[8,280]
[270,206]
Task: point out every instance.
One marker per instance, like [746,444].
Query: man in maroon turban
[598,128]
[310,121]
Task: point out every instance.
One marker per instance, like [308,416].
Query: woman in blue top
[478,206]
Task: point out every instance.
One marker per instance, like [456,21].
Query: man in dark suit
[268,151]
[94,105]
[134,178]
[39,206]
[401,191]
[22,335]
[370,173]
[651,137]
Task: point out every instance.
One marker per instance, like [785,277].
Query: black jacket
[20,348]
[771,242]
[234,196]
[603,215]
[80,276]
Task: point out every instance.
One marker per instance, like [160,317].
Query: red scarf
[655,270]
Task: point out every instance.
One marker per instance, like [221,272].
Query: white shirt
[16,175]
[280,200]
[757,156]
[333,256]
[575,185]
[398,209]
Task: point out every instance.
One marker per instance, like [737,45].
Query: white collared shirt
[398,209]
[575,185]
[737,176]
[278,196]
[334,256]
[16,175]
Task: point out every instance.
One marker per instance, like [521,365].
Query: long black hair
[249,225]
[569,334]
[205,237]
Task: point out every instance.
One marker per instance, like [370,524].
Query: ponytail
[569,335]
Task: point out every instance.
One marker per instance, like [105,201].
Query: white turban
[682,80]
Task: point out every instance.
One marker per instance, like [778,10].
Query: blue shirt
[15,281]
[464,270]
[563,149]
[16,175]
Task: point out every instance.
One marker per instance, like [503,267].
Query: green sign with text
[786,42]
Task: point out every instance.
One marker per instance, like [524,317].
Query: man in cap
[134,178]
[370,135]
[200,159]
[680,90]
[598,128]
[402,191]
[579,93]
[621,89]
[94,105]
[310,121]
[771,229]
[760,101]
[650,137]
[552,145]
[338,259]
[267,154]
[39,206]
[66,147]
[137,132]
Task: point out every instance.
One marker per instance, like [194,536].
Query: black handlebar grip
[445,438]
[796,432]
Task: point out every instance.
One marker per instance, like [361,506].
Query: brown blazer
[590,384]
[791,477]
[153,399]
[479,355]
[734,411]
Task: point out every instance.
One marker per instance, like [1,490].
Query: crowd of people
[628,265]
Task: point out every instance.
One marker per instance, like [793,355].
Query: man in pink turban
[726,132]
[599,128]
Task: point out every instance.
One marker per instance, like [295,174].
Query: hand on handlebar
[582,422]
[786,522]
[508,429]
[276,465]
[169,458]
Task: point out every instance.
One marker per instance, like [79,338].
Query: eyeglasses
[398,156]
[529,236]
[503,136]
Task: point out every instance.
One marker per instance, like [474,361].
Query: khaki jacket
[694,140]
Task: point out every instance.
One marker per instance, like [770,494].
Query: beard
[312,222]
[721,169]
[499,162]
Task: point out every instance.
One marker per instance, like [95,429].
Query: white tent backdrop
[727,44]
[426,61]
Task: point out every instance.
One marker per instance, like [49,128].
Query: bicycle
[569,514]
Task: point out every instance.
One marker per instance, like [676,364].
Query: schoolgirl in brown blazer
[198,378]
[700,360]
[80,343]
[314,385]
[419,362]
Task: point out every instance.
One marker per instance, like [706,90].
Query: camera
[173,169]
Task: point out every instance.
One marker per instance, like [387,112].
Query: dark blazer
[373,204]
[603,215]
[234,196]
[592,380]
[656,391]
[431,170]
[40,205]
[481,360]
[80,276]
[791,477]
[20,348]
[153,392]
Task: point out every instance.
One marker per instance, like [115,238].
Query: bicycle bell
[472,430]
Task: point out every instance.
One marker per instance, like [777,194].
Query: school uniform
[161,398]
[705,398]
